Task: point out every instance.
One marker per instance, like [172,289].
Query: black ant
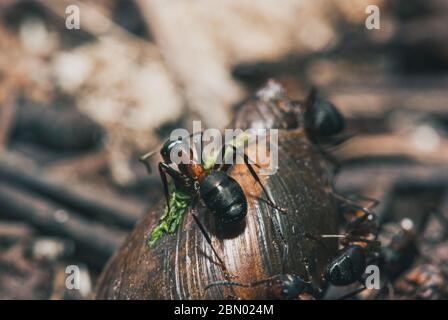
[401,249]
[359,242]
[350,264]
[322,123]
[324,126]
[346,268]
[221,194]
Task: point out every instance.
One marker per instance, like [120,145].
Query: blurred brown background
[78,107]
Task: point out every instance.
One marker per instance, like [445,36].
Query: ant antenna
[144,159]
[374,243]
[355,205]
[226,283]
[318,239]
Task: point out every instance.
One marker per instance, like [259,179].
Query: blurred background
[78,108]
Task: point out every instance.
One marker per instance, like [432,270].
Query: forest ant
[220,193]
[346,268]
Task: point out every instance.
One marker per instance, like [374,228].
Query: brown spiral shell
[182,265]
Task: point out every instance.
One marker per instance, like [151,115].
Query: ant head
[288,286]
[347,267]
[172,145]
[322,118]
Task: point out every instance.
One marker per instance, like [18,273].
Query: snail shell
[269,108]
[182,265]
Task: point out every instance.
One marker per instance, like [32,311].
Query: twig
[6,119]
[393,145]
[11,232]
[94,241]
[381,175]
[98,205]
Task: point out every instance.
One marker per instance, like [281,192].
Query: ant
[323,126]
[221,194]
[401,247]
[359,241]
[346,268]
[322,123]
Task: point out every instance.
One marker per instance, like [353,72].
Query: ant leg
[273,205]
[372,243]
[270,202]
[165,169]
[354,204]
[353,293]
[248,164]
[363,287]
[165,185]
[209,240]
[226,283]
[318,239]
[278,231]
[443,221]
[374,202]
[207,237]
[352,225]
[225,167]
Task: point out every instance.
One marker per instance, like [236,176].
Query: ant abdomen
[224,197]
[348,267]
